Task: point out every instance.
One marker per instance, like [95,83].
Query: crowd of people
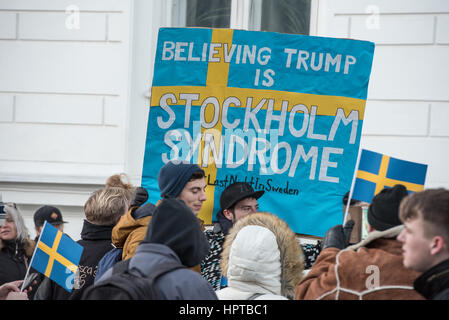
[134,249]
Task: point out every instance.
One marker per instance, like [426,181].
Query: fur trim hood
[290,252]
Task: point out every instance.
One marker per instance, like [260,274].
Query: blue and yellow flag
[282,112]
[57,256]
[377,171]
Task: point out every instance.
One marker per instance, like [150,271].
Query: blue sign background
[310,205]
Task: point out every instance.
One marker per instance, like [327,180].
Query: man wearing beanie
[184,181]
[371,269]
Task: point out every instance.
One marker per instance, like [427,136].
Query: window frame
[240,14]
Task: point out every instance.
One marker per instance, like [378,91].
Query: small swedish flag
[57,256]
[377,171]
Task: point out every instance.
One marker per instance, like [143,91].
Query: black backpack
[128,284]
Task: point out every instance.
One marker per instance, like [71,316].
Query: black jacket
[96,241]
[14,259]
[434,283]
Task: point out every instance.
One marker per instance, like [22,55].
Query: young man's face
[416,246]
[194,194]
[242,209]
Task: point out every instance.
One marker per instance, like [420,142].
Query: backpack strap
[121,266]
[163,269]
[157,272]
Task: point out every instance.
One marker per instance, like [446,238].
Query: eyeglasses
[2,211]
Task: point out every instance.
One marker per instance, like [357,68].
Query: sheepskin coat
[369,270]
[261,255]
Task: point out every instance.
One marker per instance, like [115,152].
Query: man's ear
[438,245]
[228,215]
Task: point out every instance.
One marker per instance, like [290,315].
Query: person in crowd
[50,214]
[186,182]
[103,209]
[425,241]
[236,201]
[371,269]
[132,227]
[128,232]
[16,247]
[173,237]
[53,216]
[261,259]
[11,291]
[121,180]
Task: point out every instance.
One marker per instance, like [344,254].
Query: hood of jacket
[173,224]
[261,254]
[127,225]
[92,231]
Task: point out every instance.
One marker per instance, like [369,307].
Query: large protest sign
[282,112]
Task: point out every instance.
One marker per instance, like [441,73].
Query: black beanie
[174,225]
[383,213]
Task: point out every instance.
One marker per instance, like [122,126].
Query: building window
[284,16]
[211,13]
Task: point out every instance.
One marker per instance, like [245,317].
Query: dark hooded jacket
[174,235]
[15,257]
[433,284]
[96,241]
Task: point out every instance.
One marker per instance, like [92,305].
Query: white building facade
[75,81]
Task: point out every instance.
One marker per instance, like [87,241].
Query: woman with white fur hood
[261,259]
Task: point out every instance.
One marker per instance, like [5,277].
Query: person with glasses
[16,247]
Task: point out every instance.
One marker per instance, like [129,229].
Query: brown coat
[369,270]
[128,233]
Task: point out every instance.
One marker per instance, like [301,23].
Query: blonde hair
[107,205]
[16,216]
[121,180]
